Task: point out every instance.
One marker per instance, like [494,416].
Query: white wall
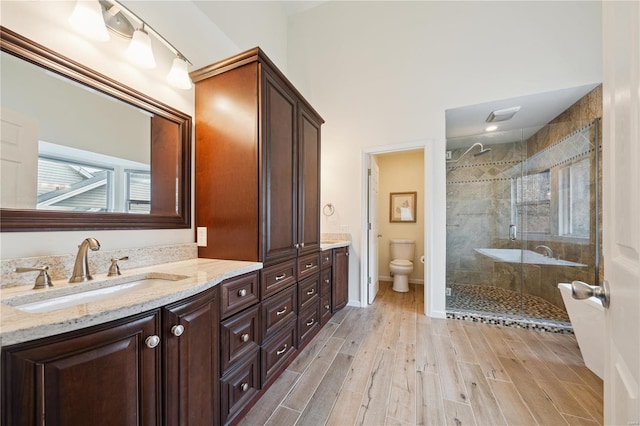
[383,73]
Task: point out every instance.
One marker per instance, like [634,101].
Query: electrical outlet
[448,155]
[447,291]
[201,236]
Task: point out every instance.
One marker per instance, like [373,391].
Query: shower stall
[522,216]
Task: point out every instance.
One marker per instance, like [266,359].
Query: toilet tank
[402,249]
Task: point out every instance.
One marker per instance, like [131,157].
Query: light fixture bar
[130,15]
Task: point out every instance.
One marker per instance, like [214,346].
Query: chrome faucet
[547,250]
[81,267]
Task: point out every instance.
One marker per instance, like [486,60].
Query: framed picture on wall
[402,207]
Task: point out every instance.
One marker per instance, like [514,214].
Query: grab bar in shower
[512,232]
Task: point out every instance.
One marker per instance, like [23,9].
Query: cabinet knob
[327,307]
[326,281]
[347,254]
[326,259]
[281,351]
[245,337]
[281,311]
[242,292]
[281,276]
[152,341]
[297,245]
[310,322]
[177,330]
[301,244]
[244,387]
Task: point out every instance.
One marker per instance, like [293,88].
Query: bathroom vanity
[198,348]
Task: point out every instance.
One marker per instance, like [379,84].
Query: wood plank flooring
[390,365]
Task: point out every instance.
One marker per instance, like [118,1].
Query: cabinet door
[309,182]
[280,165]
[104,375]
[191,360]
[340,278]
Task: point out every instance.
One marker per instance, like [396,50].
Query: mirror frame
[18,220]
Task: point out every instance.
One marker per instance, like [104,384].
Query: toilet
[401,265]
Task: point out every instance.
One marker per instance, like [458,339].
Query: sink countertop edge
[334,244]
[19,327]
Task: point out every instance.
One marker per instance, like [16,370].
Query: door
[372,278]
[308,182]
[18,160]
[621,203]
[191,346]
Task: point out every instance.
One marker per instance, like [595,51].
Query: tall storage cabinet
[257,162]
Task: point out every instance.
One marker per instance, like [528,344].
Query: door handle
[581,290]
[513,231]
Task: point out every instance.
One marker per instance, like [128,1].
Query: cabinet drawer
[277,310]
[326,259]
[277,351]
[325,281]
[308,322]
[325,307]
[308,291]
[238,293]
[308,265]
[276,277]
[239,335]
[238,387]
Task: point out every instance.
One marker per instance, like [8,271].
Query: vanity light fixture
[96,16]
[139,51]
[502,114]
[86,18]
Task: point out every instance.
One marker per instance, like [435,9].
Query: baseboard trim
[411,280]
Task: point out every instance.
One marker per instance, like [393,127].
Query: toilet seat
[401,262]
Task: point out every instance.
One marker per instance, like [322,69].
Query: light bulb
[179,74]
[139,50]
[87,19]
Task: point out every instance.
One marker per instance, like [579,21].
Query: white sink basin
[85,293]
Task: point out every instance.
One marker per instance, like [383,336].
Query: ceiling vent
[502,114]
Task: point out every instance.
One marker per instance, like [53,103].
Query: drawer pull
[311,291]
[281,351]
[281,277]
[245,337]
[242,292]
[310,322]
[327,307]
[308,265]
[177,330]
[152,341]
[281,311]
[326,281]
[244,387]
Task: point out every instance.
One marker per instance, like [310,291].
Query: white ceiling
[466,125]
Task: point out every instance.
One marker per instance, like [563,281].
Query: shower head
[483,150]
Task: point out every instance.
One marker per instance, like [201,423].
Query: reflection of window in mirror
[532,203]
[574,198]
[71,179]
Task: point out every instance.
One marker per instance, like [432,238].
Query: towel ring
[328,209]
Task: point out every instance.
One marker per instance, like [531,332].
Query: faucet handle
[114,269]
[43,280]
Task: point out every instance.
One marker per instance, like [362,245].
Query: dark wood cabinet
[191,345]
[257,162]
[104,375]
[340,278]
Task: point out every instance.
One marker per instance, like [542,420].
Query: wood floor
[390,365]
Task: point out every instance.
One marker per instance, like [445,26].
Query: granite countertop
[196,275]
[331,244]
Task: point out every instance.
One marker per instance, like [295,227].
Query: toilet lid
[401,262]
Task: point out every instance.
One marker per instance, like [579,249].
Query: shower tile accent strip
[511,321]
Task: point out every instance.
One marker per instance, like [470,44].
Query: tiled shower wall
[479,207]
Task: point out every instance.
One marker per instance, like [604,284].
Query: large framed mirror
[82,151]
